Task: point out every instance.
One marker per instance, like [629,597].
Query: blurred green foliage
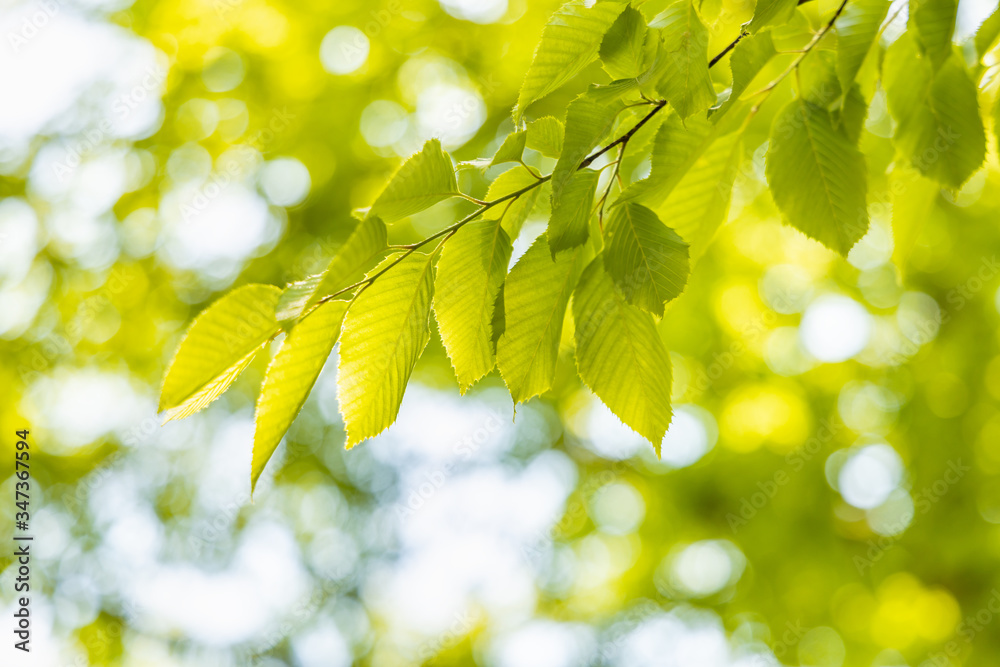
[830,489]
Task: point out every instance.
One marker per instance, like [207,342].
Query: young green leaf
[588,120]
[996,120]
[361,251]
[770,13]
[620,355]
[424,179]
[517,210]
[677,146]
[913,201]
[545,135]
[987,34]
[384,333]
[568,226]
[290,377]
[856,28]
[851,113]
[939,126]
[748,59]
[698,206]
[647,260]
[499,323]
[685,81]
[570,42]
[470,274]
[817,176]
[535,296]
[934,24]
[625,51]
[216,348]
[512,148]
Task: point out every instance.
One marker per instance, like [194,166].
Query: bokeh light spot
[285,181]
[835,328]
[869,475]
[344,50]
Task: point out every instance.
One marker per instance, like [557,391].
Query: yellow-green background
[555,539]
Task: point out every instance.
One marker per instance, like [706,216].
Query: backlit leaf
[677,146]
[423,180]
[685,81]
[625,52]
[913,200]
[748,59]
[570,42]
[647,260]
[856,28]
[511,149]
[698,206]
[568,226]
[216,348]
[769,13]
[987,34]
[620,355]
[817,176]
[939,126]
[934,23]
[535,296]
[470,274]
[290,377]
[545,135]
[384,333]
[588,121]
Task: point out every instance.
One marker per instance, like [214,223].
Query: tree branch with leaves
[619,273]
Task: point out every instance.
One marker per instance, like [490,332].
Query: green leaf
[996,120]
[625,51]
[934,23]
[771,13]
[568,226]
[535,297]
[361,251]
[851,113]
[987,34]
[748,59]
[857,27]
[685,81]
[511,149]
[470,274]
[216,348]
[545,135]
[937,112]
[384,333]
[699,204]
[570,42]
[817,176]
[913,200]
[620,356]
[677,146]
[499,322]
[290,377]
[647,260]
[424,179]
[518,210]
[588,120]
